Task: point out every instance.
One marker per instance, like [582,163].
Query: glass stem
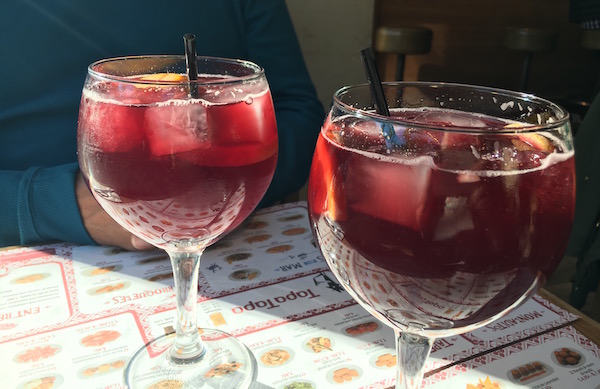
[188,346]
[412,351]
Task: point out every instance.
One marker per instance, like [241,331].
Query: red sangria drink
[449,213]
[170,168]
[180,162]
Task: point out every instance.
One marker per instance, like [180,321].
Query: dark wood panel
[468,45]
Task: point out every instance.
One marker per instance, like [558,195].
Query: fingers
[100,226]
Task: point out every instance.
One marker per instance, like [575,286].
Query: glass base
[226,363]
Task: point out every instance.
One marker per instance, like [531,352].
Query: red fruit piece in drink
[248,121]
[234,155]
[113,128]
[242,133]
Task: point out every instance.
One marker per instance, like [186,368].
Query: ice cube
[248,121]
[391,191]
[176,126]
[450,119]
[112,127]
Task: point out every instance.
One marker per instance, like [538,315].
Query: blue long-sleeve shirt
[46,47]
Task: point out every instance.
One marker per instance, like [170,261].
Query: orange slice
[326,196]
[537,142]
[167,77]
[530,141]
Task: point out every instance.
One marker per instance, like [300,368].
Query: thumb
[140,244]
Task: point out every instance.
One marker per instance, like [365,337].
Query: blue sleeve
[272,43]
[39,205]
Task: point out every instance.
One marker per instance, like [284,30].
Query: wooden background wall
[468,46]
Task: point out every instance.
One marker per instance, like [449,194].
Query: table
[584,324]
[70,316]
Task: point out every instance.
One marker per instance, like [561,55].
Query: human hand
[101,227]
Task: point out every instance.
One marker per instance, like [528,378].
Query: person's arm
[42,205]
[39,205]
[272,43]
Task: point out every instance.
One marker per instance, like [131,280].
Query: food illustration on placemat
[237,257]
[290,218]
[345,374]
[256,225]
[299,385]
[102,270]
[257,238]
[318,344]
[532,371]
[161,277]
[245,274]
[46,382]
[158,258]
[167,384]
[294,231]
[223,369]
[113,251]
[221,244]
[275,357]
[280,249]
[7,326]
[362,328]
[108,288]
[103,368]
[30,278]
[567,357]
[37,353]
[217,318]
[485,384]
[99,338]
[386,360]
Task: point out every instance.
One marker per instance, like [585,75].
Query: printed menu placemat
[72,315]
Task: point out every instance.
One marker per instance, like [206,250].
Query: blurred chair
[402,41]
[578,105]
[529,40]
[590,39]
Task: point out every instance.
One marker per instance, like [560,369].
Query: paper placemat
[72,315]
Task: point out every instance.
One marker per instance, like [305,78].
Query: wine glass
[445,215]
[180,163]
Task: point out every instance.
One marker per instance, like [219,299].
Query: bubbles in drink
[480,145]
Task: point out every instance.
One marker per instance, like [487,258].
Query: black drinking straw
[387,129]
[368,59]
[190,61]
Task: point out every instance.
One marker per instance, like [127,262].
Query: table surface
[584,324]
[267,284]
